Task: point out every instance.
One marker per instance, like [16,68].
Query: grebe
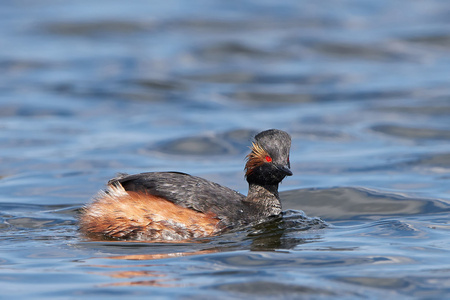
[173,206]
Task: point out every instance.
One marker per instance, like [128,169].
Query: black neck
[266,197]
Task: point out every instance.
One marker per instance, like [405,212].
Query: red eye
[268,158]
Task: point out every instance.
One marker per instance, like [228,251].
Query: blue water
[89,89]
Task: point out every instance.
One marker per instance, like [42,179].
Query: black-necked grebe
[173,206]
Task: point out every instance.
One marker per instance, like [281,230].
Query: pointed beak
[285,170]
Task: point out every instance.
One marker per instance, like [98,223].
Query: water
[89,89]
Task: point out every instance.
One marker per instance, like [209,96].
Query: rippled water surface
[89,89]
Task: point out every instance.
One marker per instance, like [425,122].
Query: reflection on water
[161,255]
[131,275]
[92,89]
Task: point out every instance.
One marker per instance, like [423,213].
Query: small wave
[347,204]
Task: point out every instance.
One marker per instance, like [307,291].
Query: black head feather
[261,170]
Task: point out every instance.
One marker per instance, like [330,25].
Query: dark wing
[184,190]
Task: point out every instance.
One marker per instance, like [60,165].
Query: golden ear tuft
[255,158]
[258,150]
